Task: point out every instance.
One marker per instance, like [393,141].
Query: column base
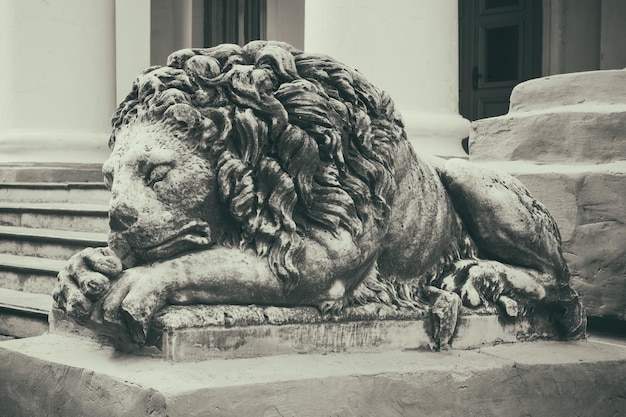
[437,134]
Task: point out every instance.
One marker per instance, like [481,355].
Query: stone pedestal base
[192,333]
[55,375]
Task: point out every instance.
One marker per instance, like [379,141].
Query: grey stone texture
[565,139]
[567,118]
[287,180]
[195,333]
[56,375]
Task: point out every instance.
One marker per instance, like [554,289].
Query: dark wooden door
[499,47]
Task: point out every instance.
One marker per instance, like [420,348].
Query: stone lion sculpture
[264,175]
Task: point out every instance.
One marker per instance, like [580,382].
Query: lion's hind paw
[483,283]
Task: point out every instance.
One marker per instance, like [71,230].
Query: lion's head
[248,146]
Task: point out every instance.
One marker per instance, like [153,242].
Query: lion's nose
[122,217]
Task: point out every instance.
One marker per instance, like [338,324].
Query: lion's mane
[296,139]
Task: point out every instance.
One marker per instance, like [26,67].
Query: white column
[58,80]
[408,48]
[132,42]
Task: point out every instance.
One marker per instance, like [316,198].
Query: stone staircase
[47,214]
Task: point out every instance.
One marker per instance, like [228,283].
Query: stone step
[55,192]
[47,243]
[597,87]
[50,172]
[28,273]
[23,314]
[60,216]
[40,304]
[566,118]
[572,134]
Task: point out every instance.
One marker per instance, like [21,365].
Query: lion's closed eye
[157,173]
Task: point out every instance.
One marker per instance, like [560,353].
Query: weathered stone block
[62,376]
[591,87]
[577,117]
[573,135]
[37,386]
[193,333]
[21,325]
[597,250]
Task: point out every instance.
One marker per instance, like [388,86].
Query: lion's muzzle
[122,217]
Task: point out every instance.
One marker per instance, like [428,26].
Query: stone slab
[588,203]
[591,87]
[27,280]
[192,333]
[46,192]
[578,117]
[19,324]
[23,314]
[56,216]
[24,301]
[54,375]
[582,134]
[50,172]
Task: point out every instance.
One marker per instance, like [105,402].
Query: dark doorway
[499,47]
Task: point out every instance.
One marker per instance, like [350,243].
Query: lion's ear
[215,126]
[185,117]
[203,67]
[208,127]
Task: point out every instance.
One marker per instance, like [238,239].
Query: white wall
[582,35]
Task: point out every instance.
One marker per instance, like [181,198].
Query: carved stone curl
[264,175]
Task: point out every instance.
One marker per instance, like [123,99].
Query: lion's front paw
[84,280]
[444,314]
[132,301]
